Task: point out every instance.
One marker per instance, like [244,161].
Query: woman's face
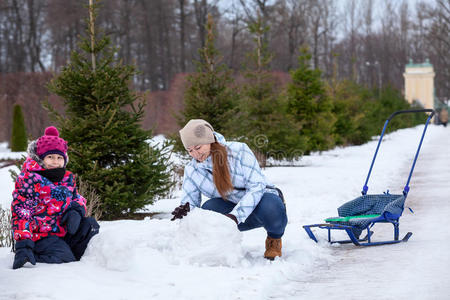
[200,152]
[53,161]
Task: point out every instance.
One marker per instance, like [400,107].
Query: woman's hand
[180,211]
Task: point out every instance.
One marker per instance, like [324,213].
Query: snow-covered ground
[204,257]
[5,152]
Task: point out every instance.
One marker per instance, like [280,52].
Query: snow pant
[56,250]
[270,213]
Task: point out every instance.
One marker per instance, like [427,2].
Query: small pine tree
[350,104]
[19,134]
[387,102]
[361,113]
[266,128]
[310,106]
[102,125]
[210,94]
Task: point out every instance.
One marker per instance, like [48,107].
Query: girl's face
[200,152]
[53,161]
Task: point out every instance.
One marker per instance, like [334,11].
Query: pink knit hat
[51,143]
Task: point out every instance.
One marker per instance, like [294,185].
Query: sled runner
[362,213]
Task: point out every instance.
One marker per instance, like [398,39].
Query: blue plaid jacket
[245,173]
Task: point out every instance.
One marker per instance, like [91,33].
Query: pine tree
[107,146]
[386,102]
[265,125]
[310,106]
[19,134]
[210,94]
[350,105]
[361,113]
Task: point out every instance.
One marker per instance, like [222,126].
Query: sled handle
[410,111]
[406,189]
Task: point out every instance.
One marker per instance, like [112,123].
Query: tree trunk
[182,37]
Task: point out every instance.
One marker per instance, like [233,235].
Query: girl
[229,174]
[48,214]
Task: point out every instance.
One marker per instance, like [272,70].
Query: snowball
[111,251]
[208,238]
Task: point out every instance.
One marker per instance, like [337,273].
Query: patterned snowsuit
[39,204]
[37,209]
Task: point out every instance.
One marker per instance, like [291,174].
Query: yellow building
[419,83]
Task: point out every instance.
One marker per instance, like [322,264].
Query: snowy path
[418,269]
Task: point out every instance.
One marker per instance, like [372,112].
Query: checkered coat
[245,173]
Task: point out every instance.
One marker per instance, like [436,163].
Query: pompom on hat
[51,143]
[197,132]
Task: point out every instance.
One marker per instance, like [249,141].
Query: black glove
[180,211]
[71,219]
[24,253]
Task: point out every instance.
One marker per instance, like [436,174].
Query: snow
[203,256]
[5,152]
[6,186]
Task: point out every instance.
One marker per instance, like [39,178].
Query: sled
[362,213]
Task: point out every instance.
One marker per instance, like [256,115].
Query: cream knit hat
[197,132]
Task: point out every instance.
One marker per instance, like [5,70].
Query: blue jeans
[270,213]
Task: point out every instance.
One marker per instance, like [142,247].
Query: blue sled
[366,241]
[357,215]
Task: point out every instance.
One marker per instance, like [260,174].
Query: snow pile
[206,238]
[203,238]
[111,251]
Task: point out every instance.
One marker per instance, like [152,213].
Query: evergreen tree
[310,106]
[19,134]
[265,126]
[107,146]
[351,103]
[361,113]
[210,94]
[387,102]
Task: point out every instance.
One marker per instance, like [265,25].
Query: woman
[228,173]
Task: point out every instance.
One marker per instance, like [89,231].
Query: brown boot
[273,248]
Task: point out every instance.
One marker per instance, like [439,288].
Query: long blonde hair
[221,172]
